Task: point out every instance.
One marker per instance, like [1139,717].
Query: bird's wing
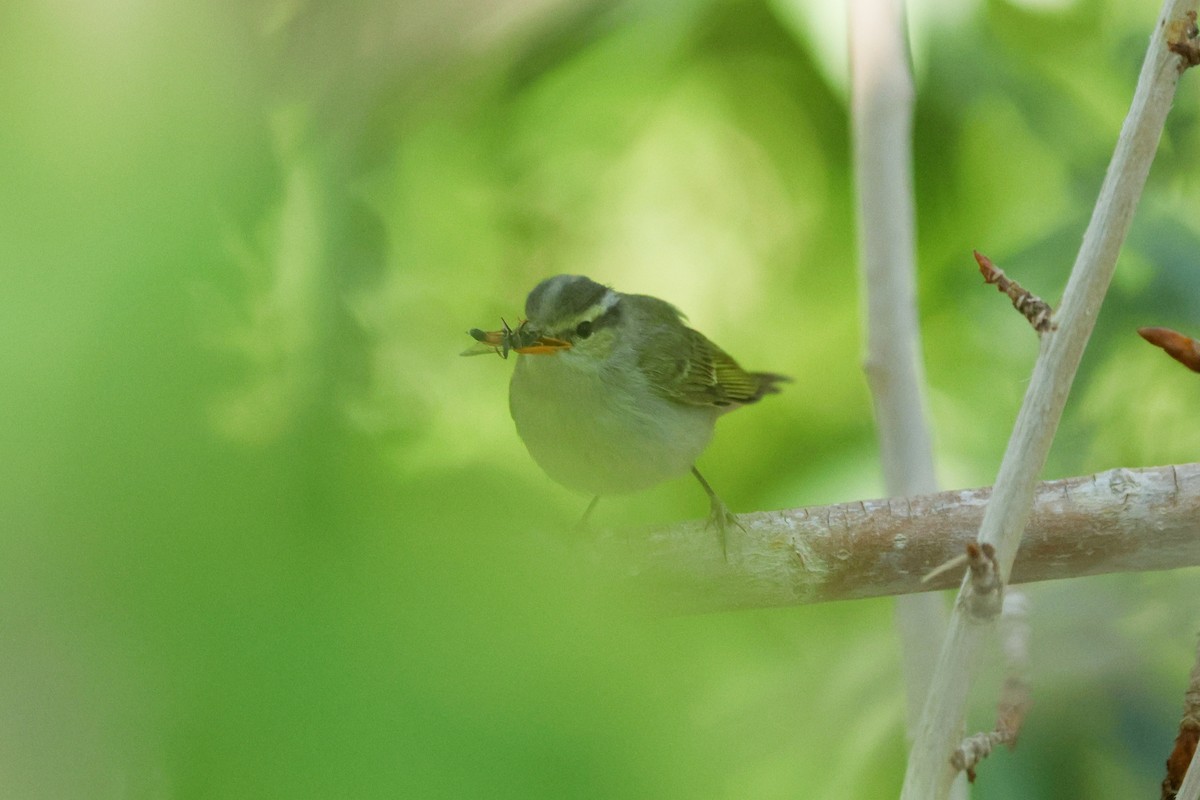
[681,364]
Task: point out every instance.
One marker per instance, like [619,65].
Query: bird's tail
[766,383]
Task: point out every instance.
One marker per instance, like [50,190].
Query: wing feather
[684,366]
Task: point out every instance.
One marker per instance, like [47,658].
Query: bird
[614,393]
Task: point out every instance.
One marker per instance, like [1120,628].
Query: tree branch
[929,771]
[881,111]
[1123,520]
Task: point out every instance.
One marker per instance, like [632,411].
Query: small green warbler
[614,393]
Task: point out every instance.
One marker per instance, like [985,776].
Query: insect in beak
[507,339]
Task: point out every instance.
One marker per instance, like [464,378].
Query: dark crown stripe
[564,295]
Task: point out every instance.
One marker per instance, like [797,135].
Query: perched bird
[614,393]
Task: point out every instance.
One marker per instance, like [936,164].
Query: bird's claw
[721,517]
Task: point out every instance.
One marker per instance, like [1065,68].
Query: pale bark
[1122,520]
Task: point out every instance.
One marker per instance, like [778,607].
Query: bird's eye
[584,329]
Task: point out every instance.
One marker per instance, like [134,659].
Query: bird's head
[574,312]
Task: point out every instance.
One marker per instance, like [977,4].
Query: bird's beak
[543,345]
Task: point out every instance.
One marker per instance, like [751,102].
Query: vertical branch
[881,111]
[929,771]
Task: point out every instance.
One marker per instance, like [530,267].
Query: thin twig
[929,772]
[1184,751]
[1183,349]
[1035,309]
[1015,695]
[1190,790]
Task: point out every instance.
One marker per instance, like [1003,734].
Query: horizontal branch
[1122,520]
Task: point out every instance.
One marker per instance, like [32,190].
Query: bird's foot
[719,514]
[720,517]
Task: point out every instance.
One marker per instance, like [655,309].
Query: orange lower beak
[543,345]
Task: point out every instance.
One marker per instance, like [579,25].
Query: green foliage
[266,535]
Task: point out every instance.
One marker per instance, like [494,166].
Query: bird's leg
[582,525]
[719,513]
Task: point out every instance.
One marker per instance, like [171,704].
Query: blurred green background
[266,535]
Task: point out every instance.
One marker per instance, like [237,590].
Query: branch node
[986,596]
[1182,41]
[1032,307]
